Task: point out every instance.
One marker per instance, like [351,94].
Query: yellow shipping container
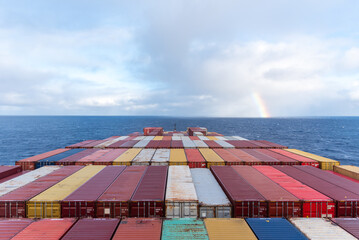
[178,157]
[48,203]
[211,157]
[324,163]
[127,157]
[348,170]
[158,138]
[228,228]
[212,138]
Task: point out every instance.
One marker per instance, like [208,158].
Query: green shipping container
[184,228]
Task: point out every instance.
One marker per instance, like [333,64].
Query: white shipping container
[221,138]
[144,157]
[188,144]
[229,138]
[213,202]
[203,138]
[149,138]
[181,197]
[139,138]
[178,134]
[197,134]
[26,178]
[239,138]
[176,138]
[224,144]
[141,144]
[185,138]
[200,144]
[320,228]
[161,157]
[109,142]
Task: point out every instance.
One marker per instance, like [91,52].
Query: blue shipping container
[53,159]
[184,228]
[274,229]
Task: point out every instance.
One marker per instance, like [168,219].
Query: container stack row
[180,228]
[194,158]
[179,192]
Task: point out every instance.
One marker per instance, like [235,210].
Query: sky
[179,58]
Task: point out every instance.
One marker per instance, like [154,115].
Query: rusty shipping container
[139,229]
[281,203]
[114,202]
[347,203]
[92,229]
[181,197]
[195,158]
[13,204]
[82,202]
[246,200]
[148,199]
[314,203]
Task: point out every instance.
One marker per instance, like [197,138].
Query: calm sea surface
[333,137]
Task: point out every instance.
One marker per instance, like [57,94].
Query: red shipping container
[229,157]
[347,203]
[29,163]
[259,144]
[338,174]
[108,158]
[281,203]
[89,159]
[148,199]
[194,138]
[351,225]
[242,144]
[167,138]
[93,144]
[71,160]
[13,204]
[284,160]
[114,202]
[6,171]
[246,200]
[10,227]
[264,159]
[80,144]
[139,229]
[164,144]
[96,229]
[303,160]
[49,229]
[13,176]
[82,202]
[148,130]
[195,158]
[314,203]
[212,144]
[129,144]
[271,144]
[153,144]
[176,144]
[245,157]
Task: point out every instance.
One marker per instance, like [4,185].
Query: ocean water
[333,137]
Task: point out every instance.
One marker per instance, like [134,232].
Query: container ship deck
[190,184]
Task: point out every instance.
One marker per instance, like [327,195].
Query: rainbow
[262,108]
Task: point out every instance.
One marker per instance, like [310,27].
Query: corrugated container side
[13,204]
[245,157]
[246,201]
[127,157]
[181,197]
[90,159]
[348,170]
[213,202]
[314,203]
[274,228]
[228,229]
[303,160]
[108,158]
[177,157]
[161,157]
[26,171]
[184,228]
[324,163]
[114,202]
[139,229]
[51,229]
[47,204]
[335,173]
[27,178]
[212,158]
[144,157]
[228,157]
[320,228]
[29,163]
[6,171]
[164,144]
[96,229]
[281,203]
[195,158]
[82,202]
[284,160]
[347,202]
[71,160]
[148,199]
[351,225]
[264,159]
[10,227]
